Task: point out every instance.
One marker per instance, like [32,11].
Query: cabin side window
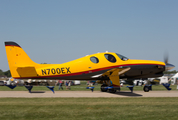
[94,59]
[110,58]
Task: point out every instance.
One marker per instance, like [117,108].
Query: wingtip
[11,43]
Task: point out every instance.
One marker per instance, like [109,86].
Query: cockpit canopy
[110,57]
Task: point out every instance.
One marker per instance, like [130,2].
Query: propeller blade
[166,57]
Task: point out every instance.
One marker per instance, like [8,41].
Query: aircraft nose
[169,66]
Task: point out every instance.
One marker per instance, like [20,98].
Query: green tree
[170,72]
[1,72]
[7,73]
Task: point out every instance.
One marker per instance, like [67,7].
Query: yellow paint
[114,77]
[22,66]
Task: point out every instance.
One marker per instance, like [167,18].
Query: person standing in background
[60,84]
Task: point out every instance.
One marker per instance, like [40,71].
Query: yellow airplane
[107,67]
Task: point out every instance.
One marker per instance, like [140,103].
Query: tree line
[6,73]
[170,72]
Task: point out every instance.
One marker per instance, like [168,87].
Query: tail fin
[19,61]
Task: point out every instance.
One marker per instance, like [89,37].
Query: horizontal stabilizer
[26,71]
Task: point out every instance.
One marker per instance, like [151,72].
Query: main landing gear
[111,89]
[103,86]
[147,88]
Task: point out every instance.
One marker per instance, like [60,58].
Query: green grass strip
[88,108]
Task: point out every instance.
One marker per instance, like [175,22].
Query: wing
[113,75]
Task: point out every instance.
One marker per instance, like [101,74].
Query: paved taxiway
[45,94]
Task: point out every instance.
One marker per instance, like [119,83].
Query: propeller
[166,57]
[168,66]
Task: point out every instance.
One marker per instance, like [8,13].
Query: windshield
[122,57]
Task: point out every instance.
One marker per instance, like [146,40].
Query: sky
[58,31]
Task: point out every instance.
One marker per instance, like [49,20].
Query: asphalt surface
[77,94]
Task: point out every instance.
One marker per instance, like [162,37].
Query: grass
[88,108]
[82,87]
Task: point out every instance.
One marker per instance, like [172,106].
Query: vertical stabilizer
[17,58]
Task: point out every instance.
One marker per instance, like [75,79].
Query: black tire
[112,91]
[146,88]
[103,88]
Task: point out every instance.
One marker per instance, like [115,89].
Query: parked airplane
[174,79]
[108,67]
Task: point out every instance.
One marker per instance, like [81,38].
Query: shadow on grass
[129,94]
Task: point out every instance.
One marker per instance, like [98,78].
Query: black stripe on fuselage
[144,71]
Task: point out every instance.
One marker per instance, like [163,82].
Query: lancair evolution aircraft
[108,67]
